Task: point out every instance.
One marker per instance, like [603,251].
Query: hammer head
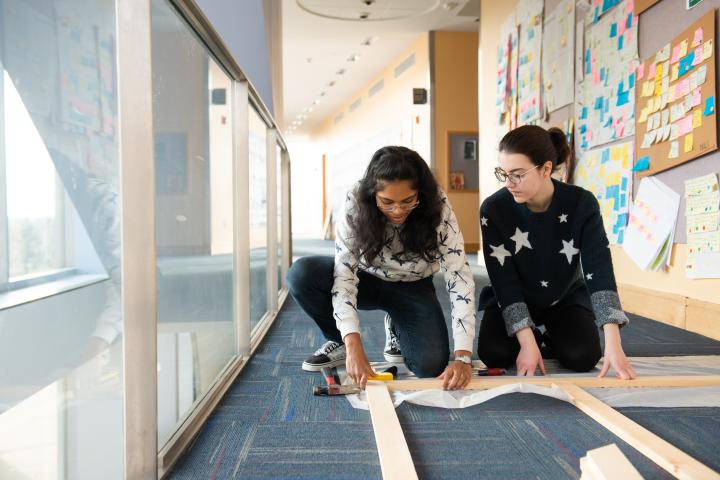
[331,390]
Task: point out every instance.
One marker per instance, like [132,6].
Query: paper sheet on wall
[558,46]
[702,210]
[606,172]
[605,99]
[651,229]
[507,93]
[529,17]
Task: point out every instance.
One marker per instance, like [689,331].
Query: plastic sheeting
[615,397]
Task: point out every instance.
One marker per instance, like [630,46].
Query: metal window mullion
[241,214]
[272,243]
[286,233]
[138,260]
[4,224]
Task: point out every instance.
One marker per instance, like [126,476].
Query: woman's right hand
[356,362]
[529,357]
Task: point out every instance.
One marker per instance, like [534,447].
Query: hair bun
[562,149]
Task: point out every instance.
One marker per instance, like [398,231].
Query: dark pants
[416,313]
[571,335]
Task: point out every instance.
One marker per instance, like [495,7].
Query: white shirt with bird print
[393,264]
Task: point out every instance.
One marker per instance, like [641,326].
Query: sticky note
[651,71]
[675,54]
[623,98]
[688,143]
[698,55]
[682,88]
[663,54]
[686,63]
[665,117]
[709,106]
[674,150]
[684,125]
[584,113]
[702,74]
[698,37]
[620,42]
[696,98]
[643,163]
[697,118]
[613,30]
[707,50]
[640,71]
[683,48]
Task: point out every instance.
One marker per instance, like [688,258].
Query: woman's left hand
[456,375]
[614,355]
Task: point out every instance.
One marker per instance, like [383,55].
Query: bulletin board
[642,5]
[676,100]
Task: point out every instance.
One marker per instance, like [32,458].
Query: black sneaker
[331,354]
[392,351]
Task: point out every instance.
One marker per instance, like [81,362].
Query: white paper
[557,56]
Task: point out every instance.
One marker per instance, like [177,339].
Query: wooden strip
[485,383]
[608,463]
[667,456]
[395,459]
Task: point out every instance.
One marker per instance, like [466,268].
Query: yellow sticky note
[688,142]
[614,154]
[707,49]
[697,118]
[674,72]
[683,48]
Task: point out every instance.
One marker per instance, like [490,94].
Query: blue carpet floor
[270,426]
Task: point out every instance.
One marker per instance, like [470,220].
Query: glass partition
[61,346]
[194,217]
[258,218]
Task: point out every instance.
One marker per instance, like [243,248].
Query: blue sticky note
[613,30]
[583,114]
[643,163]
[686,63]
[623,201]
[599,103]
[620,42]
[596,15]
[628,23]
[623,184]
[622,219]
[531,33]
[631,80]
[616,228]
[605,156]
[623,98]
[583,128]
[620,237]
[709,106]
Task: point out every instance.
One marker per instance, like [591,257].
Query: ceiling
[325,60]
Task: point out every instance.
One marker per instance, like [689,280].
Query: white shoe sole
[394,358]
[316,367]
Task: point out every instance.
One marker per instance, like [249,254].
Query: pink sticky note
[682,88]
[621,29]
[698,38]
[629,6]
[697,59]
[696,97]
[651,71]
[675,54]
[640,72]
[684,125]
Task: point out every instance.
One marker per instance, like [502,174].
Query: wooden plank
[661,306]
[667,456]
[608,463]
[485,383]
[395,459]
[703,318]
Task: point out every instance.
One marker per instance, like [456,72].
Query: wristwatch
[464,359]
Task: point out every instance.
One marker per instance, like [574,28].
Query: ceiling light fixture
[353,58]
[368,41]
[331,84]
[341,72]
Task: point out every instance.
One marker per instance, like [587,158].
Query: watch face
[463,358]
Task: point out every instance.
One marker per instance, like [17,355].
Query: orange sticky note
[697,118]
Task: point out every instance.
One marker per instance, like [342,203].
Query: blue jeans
[416,313]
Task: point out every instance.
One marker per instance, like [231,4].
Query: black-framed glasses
[402,206]
[515,178]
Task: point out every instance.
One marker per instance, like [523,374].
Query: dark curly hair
[367,222]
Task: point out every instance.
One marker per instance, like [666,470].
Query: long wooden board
[549,380]
[395,459]
[607,463]
[667,456]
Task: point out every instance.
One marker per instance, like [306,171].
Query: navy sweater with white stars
[536,260]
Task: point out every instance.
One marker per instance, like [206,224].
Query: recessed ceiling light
[341,72]
[308,59]
[353,58]
[323,93]
[316,101]
[332,83]
[368,41]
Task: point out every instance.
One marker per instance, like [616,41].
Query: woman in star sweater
[397,231]
[549,263]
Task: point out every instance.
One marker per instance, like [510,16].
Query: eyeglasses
[403,207]
[515,178]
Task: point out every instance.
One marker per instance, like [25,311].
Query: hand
[529,357]
[614,355]
[456,375]
[356,363]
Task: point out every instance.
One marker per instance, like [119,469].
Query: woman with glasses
[549,263]
[398,230]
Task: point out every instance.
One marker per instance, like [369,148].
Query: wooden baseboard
[661,306]
[703,318]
